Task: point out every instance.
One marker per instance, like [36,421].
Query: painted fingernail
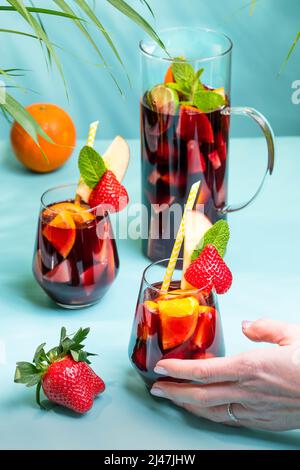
[160,370]
[246,324]
[157,392]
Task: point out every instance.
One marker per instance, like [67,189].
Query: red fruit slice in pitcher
[215,159]
[206,328]
[178,320]
[222,147]
[167,152]
[193,124]
[174,179]
[61,232]
[196,160]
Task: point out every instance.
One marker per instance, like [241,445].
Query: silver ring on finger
[231,414]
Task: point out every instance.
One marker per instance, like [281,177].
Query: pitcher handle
[269,135]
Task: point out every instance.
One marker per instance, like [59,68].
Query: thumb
[271,331]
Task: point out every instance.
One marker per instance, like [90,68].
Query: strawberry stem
[38,394]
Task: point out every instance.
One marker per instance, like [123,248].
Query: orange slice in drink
[169,77]
[178,320]
[79,214]
[61,232]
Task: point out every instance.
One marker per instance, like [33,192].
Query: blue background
[261,43]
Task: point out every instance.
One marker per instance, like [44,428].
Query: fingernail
[160,370]
[157,392]
[246,324]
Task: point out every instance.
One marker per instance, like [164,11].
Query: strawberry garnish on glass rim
[63,373]
[101,175]
[109,193]
[98,184]
[207,270]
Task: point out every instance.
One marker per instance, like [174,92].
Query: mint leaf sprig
[31,373]
[189,85]
[91,166]
[218,236]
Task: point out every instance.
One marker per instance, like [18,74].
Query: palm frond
[65,7]
[148,6]
[89,12]
[128,11]
[31,14]
[34,24]
[44,11]
[291,50]
[22,116]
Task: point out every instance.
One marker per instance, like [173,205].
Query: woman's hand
[263,385]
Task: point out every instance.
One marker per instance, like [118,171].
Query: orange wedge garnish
[78,213]
[169,77]
[61,232]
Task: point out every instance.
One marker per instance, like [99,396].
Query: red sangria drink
[76,258]
[185,121]
[182,324]
[179,318]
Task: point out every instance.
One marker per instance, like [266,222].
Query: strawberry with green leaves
[207,270]
[63,373]
[98,185]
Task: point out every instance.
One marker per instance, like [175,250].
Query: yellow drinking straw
[92,133]
[90,143]
[179,238]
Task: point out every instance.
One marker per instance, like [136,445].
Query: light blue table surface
[264,257]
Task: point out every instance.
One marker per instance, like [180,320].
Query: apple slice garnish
[178,320]
[196,224]
[116,157]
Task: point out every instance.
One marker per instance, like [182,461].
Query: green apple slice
[116,157]
[196,224]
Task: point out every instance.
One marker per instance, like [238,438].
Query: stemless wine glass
[181,144]
[182,324]
[75,259]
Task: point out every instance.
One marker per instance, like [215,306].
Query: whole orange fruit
[58,125]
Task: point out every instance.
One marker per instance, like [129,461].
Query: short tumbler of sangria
[75,258]
[181,324]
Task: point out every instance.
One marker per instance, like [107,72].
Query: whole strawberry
[110,193]
[209,271]
[63,373]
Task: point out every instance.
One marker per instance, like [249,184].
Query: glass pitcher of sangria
[185,122]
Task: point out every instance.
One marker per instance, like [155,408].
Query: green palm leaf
[31,15]
[22,116]
[31,20]
[45,11]
[148,6]
[89,12]
[128,11]
[65,7]
[292,48]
